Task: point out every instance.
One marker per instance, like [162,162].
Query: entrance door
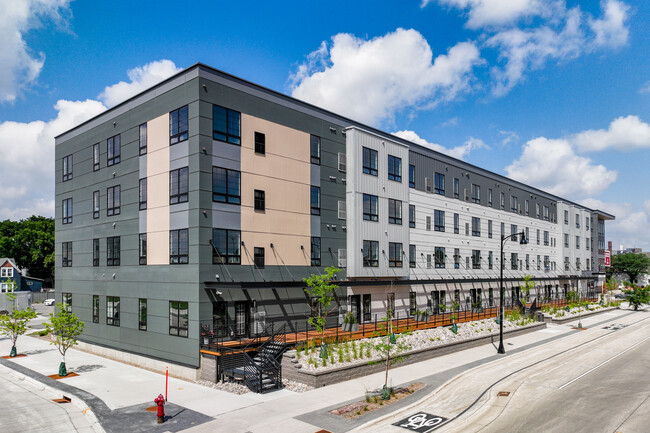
[242,317]
[367,312]
[435,300]
[219,319]
[355,307]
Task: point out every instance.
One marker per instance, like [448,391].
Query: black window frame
[142,249]
[178,328]
[232,124]
[456,188]
[259,257]
[314,200]
[231,255]
[476,226]
[142,139]
[489,229]
[179,132]
[438,220]
[411,216]
[439,257]
[314,149]
[370,260]
[370,212]
[411,176]
[113,305]
[395,255]
[476,193]
[113,150]
[179,185]
[412,256]
[180,238]
[113,251]
[95,308]
[476,259]
[113,196]
[439,183]
[142,314]
[394,168]
[228,196]
[456,223]
[66,211]
[394,211]
[96,252]
[96,204]
[96,156]
[142,194]
[457,258]
[370,156]
[260,143]
[66,254]
[514,261]
[315,251]
[66,300]
[66,168]
[413,305]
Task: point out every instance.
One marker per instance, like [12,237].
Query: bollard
[160,402]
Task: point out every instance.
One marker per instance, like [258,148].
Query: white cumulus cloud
[624,133]
[372,80]
[141,78]
[482,13]
[610,30]
[20,66]
[631,228]
[459,152]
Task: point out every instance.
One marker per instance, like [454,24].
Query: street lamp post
[523,241]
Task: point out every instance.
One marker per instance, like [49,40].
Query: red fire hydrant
[160,401]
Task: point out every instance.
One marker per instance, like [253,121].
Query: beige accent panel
[283,173]
[158,191]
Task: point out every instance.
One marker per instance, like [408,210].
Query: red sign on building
[607,258]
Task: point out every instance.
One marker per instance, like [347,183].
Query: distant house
[10,271]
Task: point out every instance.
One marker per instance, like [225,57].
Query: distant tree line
[31,243]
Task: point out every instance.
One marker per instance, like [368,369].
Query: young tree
[528,285]
[390,347]
[637,296]
[65,328]
[631,264]
[15,323]
[321,290]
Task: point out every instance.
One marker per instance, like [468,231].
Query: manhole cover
[503,393]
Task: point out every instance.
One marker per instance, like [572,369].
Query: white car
[49,302]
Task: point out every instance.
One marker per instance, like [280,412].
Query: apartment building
[206,199]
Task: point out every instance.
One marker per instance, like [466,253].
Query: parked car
[49,302]
[620,296]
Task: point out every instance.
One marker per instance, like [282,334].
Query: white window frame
[7,272]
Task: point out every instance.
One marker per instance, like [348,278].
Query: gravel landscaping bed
[239,388]
[561,313]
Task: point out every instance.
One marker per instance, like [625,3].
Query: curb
[574,317]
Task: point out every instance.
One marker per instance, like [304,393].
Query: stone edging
[573,317]
[318,379]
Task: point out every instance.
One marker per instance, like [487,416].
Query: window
[566,263]
[113,200]
[113,310]
[527,261]
[394,168]
[526,207]
[66,254]
[143,194]
[412,256]
[412,303]
[315,200]
[114,150]
[314,148]
[502,200]
[587,223]
[412,216]
[67,168]
[342,162]
[370,161]
[341,210]
[503,229]
[439,183]
[142,314]
[411,176]
[514,203]
[258,257]
[577,242]
[577,220]
[178,123]
[66,211]
[539,263]
[566,240]
[143,139]
[476,226]
[227,246]
[456,258]
[537,210]
[427,184]
[96,252]
[315,251]
[178,318]
[428,261]
[490,260]
[95,204]
[546,213]
[537,236]
[370,208]
[489,229]
[178,185]
[178,246]
[394,211]
[547,263]
[342,258]
[95,309]
[476,259]
[527,236]
[456,187]
[456,223]
[367,311]
[67,301]
[491,297]
[95,156]
[113,251]
[439,220]
[428,224]
[587,244]
[514,261]
[394,255]
[545,238]
[142,249]
[226,185]
[566,217]
[439,253]
[259,197]
[260,143]
[513,231]
[476,193]
[370,254]
[490,197]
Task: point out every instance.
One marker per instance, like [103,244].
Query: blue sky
[553,93]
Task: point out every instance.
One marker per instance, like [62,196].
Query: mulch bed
[57,377]
[17,356]
[359,408]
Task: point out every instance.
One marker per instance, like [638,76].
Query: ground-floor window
[95,309]
[67,301]
[412,303]
[491,296]
[178,318]
[113,310]
[142,314]
[367,311]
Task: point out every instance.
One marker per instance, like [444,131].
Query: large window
[228,246]
[476,259]
[96,252]
[142,194]
[456,258]
[514,261]
[142,249]
[314,149]
[394,255]
[476,193]
[142,314]
[95,156]
[577,242]
[513,231]
[370,254]
[226,185]
[113,200]
[114,154]
[440,257]
[95,309]
[370,208]
[476,226]
[394,211]
[113,310]
[178,185]
[394,168]
[259,257]
[439,183]
[315,200]
[95,204]
[226,125]
[66,211]
[412,216]
[412,256]
[178,318]
[439,220]
[143,139]
[66,254]
[178,246]
[411,176]
[113,251]
[315,251]
[259,199]
[67,168]
[178,122]
[67,301]
[370,161]
[546,235]
[514,203]
[456,223]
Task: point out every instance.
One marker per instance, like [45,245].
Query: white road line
[603,363]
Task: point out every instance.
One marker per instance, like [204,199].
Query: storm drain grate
[503,393]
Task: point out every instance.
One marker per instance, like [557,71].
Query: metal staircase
[262,370]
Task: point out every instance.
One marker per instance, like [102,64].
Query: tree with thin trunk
[322,294]
[15,324]
[65,328]
[526,287]
[390,348]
